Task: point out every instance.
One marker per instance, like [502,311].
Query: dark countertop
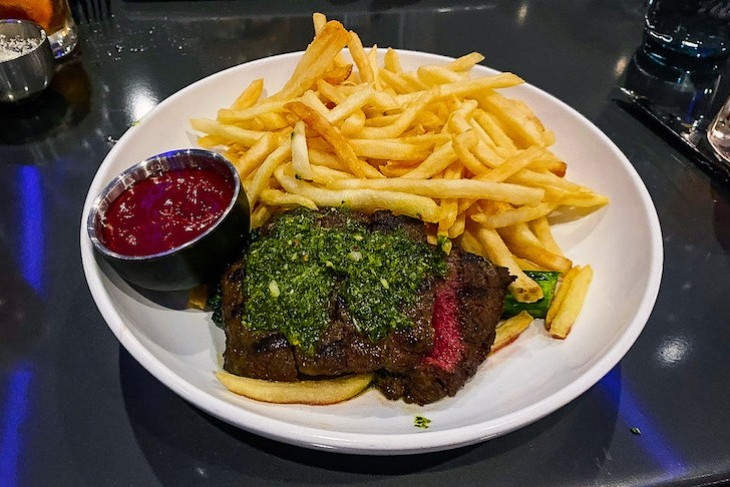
[77,409]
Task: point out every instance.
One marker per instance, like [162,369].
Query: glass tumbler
[677,31]
[718,133]
[53,15]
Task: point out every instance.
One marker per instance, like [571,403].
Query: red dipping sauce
[165,211]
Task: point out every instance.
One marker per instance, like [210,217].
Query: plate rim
[421,441]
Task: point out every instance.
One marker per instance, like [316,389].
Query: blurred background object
[26,62]
[685,31]
[677,80]
[53,15]
[718,133]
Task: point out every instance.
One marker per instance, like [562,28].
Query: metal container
[195,262]
[29,73]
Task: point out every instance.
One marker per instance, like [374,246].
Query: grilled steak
[452,325]
[468,305]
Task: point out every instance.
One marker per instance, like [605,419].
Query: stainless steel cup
[195,262]
[30,72]
[53,15]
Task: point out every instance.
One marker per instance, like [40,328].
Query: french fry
[529,177]
[436,162]
[273,121]
[244,137]
[483,135]
[391,61]
[526,128]
[488,156]
[250,95]
[488,243]
[555,166]
[568,301]
[584,199]
[414,82]
[396,81]
[315,61]
[519,233]
[349,105]
[338,73]
[324,158]
[528,265]
[463,144]
[493,128]
[523,243]
[266,169]
[393,169]
[388,149]
[363,199]
[437,75]
[310,99]
[231,115]
[354,44]
[514,216]
[210,141]
[312,392]
[512,165]
[318,21]
[253,158]
[300,153]
[332,135]
[449,206]
[464,63]
[469,86]
[446,188]
[260,216]
[541,228]
[403,122]
[325,175]
[275,197]
[353,124]
[372,61]
[382,100]
[457,229]
[198,297]
[429,139]
[510,330]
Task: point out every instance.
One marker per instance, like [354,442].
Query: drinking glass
[677,31]
[53,15]
[718,133]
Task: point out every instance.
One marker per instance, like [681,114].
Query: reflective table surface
[77,409]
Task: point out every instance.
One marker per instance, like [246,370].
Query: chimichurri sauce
[294,272]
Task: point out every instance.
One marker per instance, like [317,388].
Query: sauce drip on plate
[165,211]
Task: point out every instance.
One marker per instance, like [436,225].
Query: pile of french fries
[436,144]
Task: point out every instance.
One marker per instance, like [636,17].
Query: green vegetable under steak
[548,281]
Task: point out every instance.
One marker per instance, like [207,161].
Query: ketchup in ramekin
[172,221]
[165,211]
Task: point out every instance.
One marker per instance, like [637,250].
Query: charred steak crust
[341,349]
[400,358]
[261,355]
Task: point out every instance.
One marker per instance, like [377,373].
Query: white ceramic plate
[520,384]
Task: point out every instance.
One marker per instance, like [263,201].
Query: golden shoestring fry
[434,143]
